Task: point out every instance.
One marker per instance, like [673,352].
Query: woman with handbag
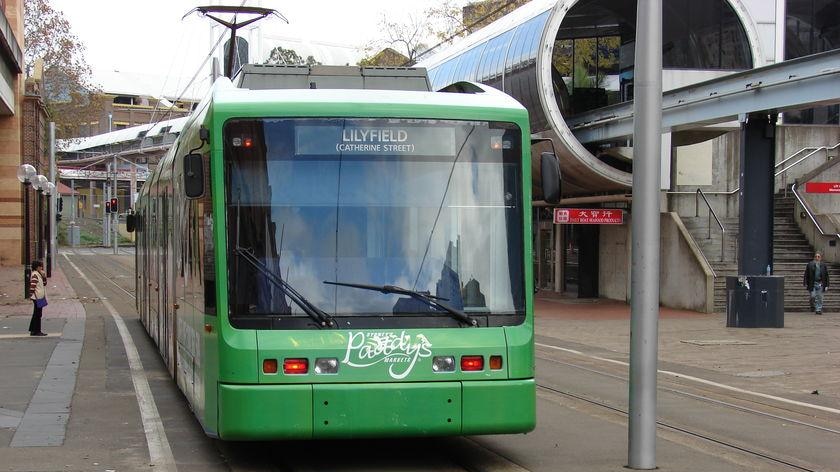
[38,295]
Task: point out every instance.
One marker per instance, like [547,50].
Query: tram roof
[477,97]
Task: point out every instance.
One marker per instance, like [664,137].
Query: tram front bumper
[303,411]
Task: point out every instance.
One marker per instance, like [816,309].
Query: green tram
[328,263]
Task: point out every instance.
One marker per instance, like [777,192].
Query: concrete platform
[798,360]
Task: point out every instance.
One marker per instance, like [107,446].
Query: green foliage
[281,55]
[587,60]
[69,93]
[449,21]
[385,58]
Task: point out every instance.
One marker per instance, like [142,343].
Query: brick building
[35,151]
[11,118]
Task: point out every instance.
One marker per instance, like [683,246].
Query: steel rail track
[702,398]
[679,429]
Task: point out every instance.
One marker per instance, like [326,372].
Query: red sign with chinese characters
[822,187]
[588,216]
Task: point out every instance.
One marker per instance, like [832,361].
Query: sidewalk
[793,362]
[40,373]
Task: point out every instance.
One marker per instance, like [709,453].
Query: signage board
[371,141]
[86,174]
[822,187]
[588,216]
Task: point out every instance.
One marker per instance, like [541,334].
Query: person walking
[38,295]
[816,281]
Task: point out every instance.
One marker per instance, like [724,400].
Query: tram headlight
[443,364]
[326,365]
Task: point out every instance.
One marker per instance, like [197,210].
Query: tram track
[110,269]
[706,399]
[456,454]
[705,436]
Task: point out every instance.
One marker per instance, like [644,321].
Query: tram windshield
[434,206]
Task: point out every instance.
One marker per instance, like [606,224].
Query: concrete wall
[714,166]
[791,139]
[614,261]
[685,280]
[826,209]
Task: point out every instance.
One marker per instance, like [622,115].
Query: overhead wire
[198,71]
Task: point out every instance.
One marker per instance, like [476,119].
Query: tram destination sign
[588,216]
[822,187]
[396,140]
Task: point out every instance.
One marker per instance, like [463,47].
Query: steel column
[755,245]
[27,238]
[52,227]
[644,319]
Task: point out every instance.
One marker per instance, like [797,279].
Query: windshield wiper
[320,317]
[429,299]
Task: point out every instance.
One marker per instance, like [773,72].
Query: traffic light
[60,204]
[107,207]
[113,205]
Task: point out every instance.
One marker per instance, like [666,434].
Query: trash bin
[755,301]
[73,235]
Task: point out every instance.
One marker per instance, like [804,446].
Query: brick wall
[11,209]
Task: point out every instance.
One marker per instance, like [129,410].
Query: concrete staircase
[791,251]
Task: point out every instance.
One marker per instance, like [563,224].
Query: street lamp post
[41,187]
[49,191]
[26,173]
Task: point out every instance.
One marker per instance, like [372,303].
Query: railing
[814,150]
[712,213]
[809,213]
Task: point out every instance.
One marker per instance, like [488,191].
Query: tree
[281,55]
[386,57]
[449,21]
[443,23]
[405,38]
[70,95]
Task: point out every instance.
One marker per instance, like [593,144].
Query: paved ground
[801,360]
[721,389]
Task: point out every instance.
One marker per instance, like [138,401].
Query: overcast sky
[149,35]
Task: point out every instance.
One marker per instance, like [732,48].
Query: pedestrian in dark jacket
[816,281]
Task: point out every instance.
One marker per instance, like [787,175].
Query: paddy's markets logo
[398,350]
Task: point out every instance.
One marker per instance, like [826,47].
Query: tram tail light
[495,362]
[472,363]
[295,366]
[269,366]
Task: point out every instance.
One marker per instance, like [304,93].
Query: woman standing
[38,295]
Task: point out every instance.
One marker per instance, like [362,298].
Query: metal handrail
[813,150]
[699,193]
[810,214]
[806,156]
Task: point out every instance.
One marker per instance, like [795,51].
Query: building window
[594,50]
[124,100]
[812,26]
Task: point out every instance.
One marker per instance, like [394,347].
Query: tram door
[172,282]
[165,279]
[580,260]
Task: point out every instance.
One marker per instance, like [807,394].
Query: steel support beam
[799,83]
[755,205]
